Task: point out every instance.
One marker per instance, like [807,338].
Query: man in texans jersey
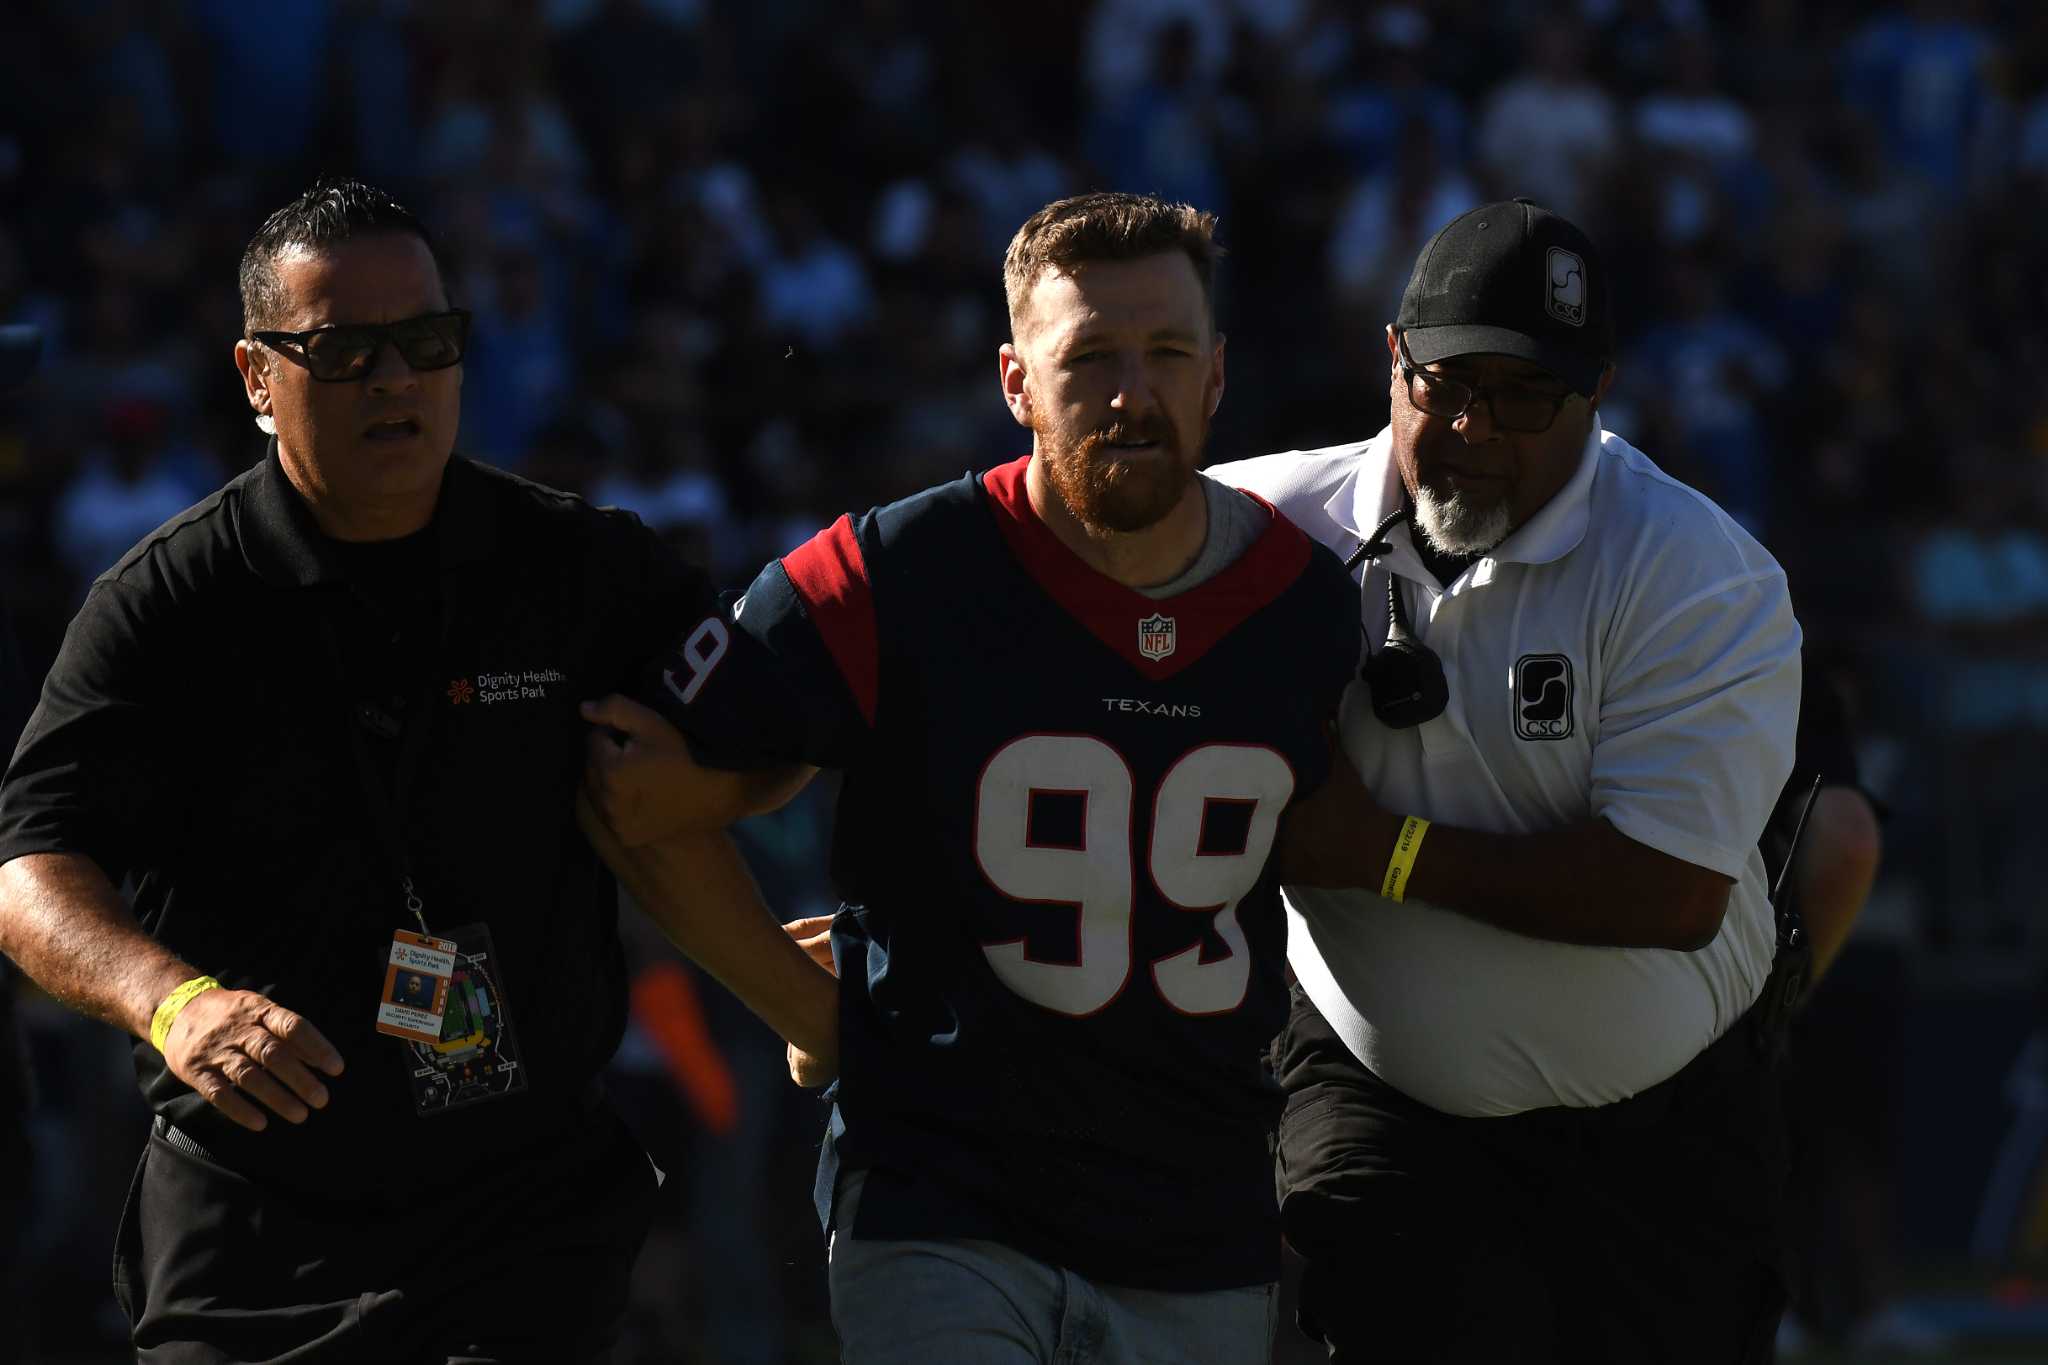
[1071,697]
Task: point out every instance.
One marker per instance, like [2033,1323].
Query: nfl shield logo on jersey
[1155,637]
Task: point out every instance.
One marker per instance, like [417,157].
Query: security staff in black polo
[326,725]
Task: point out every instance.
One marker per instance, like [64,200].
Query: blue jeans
[970,1302]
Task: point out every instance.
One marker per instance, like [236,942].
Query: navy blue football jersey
[1060,950]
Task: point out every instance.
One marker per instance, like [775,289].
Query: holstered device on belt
[1792,964]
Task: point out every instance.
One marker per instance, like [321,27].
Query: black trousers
[1645,1231]
[485,1258]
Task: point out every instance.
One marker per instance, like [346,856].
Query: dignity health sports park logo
[1543,696]
[516,684]
[1155,636]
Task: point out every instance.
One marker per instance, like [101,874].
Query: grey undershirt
[1235,521]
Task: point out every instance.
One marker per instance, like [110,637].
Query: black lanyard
[387,807]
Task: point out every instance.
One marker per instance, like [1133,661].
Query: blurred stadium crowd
[736,266]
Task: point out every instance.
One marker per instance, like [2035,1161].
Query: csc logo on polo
[1543,696]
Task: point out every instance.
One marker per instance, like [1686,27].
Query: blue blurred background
[737,266]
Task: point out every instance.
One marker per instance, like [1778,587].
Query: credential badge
[1155,636]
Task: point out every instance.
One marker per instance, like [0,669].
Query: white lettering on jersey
[702,660]
[1179,710]
[1095,881]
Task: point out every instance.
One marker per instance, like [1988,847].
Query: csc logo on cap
[1543,696]
[1565,295]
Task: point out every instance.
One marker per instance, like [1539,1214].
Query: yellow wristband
[173,1005]
[1406,845]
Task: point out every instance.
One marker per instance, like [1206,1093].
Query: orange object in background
[665,1004]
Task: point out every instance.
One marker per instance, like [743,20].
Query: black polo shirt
[194,735]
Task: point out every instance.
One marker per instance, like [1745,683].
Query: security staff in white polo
[1529,1117]
[326,724]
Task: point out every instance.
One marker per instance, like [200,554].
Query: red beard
[1109,495]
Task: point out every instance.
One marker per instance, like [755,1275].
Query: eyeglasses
[335,355]
[1514,408]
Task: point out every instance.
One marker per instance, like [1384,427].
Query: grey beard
[1456,526]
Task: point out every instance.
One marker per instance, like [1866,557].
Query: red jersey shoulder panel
[830,575]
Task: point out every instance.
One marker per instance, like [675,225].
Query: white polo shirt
[1628,653]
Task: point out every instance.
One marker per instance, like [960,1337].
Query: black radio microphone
[1404,676]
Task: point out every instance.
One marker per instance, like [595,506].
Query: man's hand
[640,774]
[813,934]
[236,1046]
[1335,836]
[63,922]
[645,783]
[808,1071]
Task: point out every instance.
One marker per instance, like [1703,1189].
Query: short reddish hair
[1107,226]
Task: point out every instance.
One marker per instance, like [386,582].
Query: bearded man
[1066,751]
[1531,1113]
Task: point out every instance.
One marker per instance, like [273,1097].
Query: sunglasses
[1514,408]
[337,354]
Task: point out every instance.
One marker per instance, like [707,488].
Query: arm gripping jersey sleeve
[788,673]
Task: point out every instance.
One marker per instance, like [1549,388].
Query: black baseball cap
[1512,279]
[20,347]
